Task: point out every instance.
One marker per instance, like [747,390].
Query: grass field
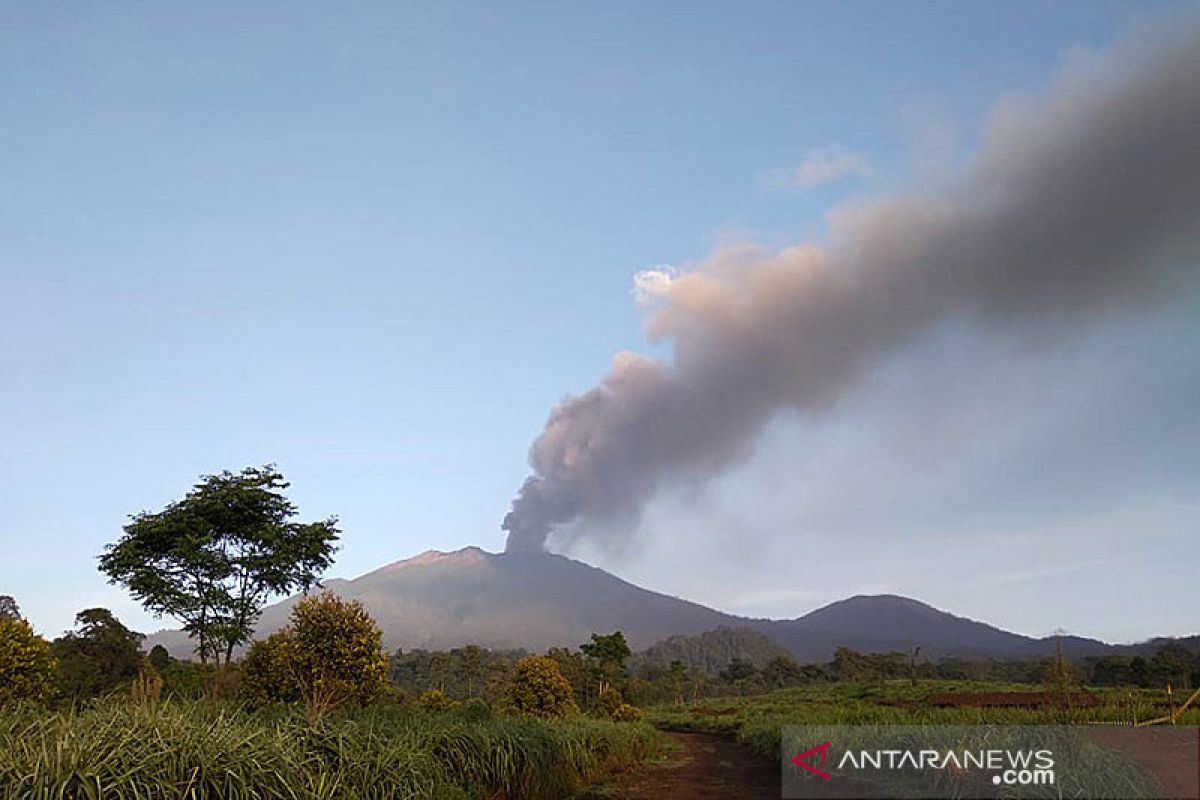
[195,750]
[757,720]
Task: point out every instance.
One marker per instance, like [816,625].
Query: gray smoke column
[1082,203]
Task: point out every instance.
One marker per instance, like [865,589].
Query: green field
[756,720]
[119,750]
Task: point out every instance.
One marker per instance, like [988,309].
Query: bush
[609,701]
[328,656]
[627,713]
[435,700]
[27,671]
[266,674]
[539,689]
[473,711]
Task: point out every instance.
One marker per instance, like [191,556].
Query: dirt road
[704,767]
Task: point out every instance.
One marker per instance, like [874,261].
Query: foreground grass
[196,750]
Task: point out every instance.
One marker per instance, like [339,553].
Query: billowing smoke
[1080,204]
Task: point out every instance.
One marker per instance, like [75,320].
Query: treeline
[477,672]
[328,656]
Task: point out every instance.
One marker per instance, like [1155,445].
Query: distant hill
[538,600]
[883,623]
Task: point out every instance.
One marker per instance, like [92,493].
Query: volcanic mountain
[539,600]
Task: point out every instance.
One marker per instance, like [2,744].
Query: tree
[470,666]
[159,658]
[8,607]
[578,672]
[608,654]
[99,655]
[782,671]
[330,654]
[26,666]
[1172,664]
[850,665]
[678,681]
[538,688]
[214,558]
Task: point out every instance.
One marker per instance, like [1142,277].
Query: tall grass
[195,750]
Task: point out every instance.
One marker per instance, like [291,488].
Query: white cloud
[830,164]
[650,285]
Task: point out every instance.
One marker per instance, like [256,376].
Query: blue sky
[374,243]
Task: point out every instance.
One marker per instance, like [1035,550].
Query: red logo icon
[802,760]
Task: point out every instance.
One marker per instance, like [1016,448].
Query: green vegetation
[189,750]
[539,689]
[27,669]
[98,656]
[214,558]
[317,709]
[758,720]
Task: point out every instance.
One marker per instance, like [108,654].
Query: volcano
[534,601]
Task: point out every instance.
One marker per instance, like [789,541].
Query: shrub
[627,713]
[267,676]
[27,670]
[330,655]
[539,689]
[473,710]
[609,701]
[435,700]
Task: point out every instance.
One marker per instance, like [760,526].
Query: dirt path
[704,767]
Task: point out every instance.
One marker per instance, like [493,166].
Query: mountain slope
[538,600]
[500,600]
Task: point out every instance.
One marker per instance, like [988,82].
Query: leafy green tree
[741,674]
[26,666]
[539,689]
[1172,664]
[470,666]
[850,665]
[98,656]
[8,607]
[159,658]
[608,654]
[678,681]
[214,558]
[782,671]
[578,672]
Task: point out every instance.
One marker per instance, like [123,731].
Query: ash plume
[1081,204]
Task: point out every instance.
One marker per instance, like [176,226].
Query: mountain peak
[464,555]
